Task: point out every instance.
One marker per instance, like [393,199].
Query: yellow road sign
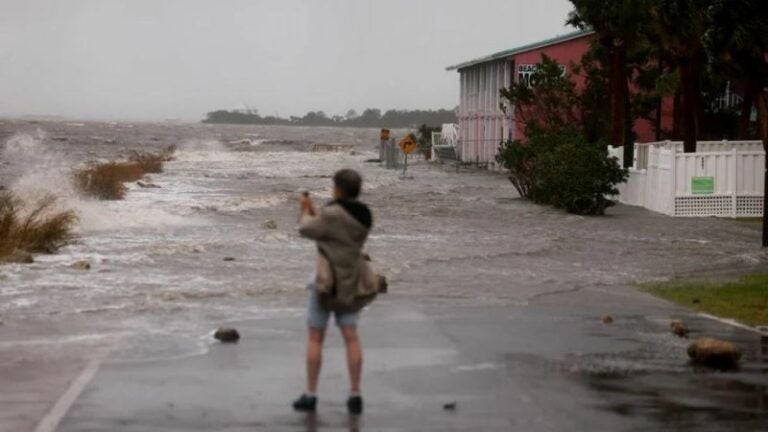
[408,144]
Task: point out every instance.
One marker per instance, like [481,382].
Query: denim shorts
[317,317]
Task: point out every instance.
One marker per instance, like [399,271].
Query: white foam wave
[47,171]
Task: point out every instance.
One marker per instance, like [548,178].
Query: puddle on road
[673,393]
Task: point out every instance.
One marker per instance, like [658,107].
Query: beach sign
[702,185]
[408,144]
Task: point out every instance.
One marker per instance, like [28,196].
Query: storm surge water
[170,263]
[157,268]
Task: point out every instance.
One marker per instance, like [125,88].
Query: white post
[734,182]
[673,180]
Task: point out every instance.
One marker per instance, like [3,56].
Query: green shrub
[518,157]
[578,177]
[424,137]
[558,167]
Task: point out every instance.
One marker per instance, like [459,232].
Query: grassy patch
[745,300]
[36,227]
[106,180]
[152,163]
[749,220]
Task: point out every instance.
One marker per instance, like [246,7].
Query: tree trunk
[618,79]
[746,113]
[689,82]
[660,104]
[750,93]
[658,120]
[762,123]
[677,110]
[629,133]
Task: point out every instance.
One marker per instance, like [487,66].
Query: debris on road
[227,334]
[714,353]
[679,328]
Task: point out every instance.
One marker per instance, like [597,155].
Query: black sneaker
[355,405]
[305,403]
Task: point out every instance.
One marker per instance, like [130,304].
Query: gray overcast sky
[154,59]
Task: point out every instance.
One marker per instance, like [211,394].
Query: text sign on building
[703,185]
[525,74]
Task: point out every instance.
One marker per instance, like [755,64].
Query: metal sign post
[383,140]
[407,146]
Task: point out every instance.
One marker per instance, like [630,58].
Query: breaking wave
[40,169]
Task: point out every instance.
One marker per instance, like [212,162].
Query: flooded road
[159,282]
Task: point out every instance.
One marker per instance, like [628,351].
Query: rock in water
[714,353]
[269,224]
[146,185]
[227,334]
[19,257]
[81,265]
[607,319]
[679,328]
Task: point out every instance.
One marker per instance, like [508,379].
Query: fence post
[734,182]
[673,179]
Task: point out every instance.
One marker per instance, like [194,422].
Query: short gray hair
[349,182]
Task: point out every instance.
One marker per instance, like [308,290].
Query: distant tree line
[370,117]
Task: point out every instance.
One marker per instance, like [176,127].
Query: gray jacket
[340,230]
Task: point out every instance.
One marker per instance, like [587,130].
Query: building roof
[525,48]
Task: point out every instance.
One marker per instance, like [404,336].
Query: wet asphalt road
[540,367]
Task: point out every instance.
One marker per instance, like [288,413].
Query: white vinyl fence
[723,178]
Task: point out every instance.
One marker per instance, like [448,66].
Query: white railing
[447,137]
[662,179]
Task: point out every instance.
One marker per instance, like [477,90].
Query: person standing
[340,230]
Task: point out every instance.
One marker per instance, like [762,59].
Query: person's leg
[354,363]
[317,320]
[354,356]
[314,358]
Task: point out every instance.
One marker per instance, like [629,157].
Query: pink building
[482,124]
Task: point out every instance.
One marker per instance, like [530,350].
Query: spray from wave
[38,169]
